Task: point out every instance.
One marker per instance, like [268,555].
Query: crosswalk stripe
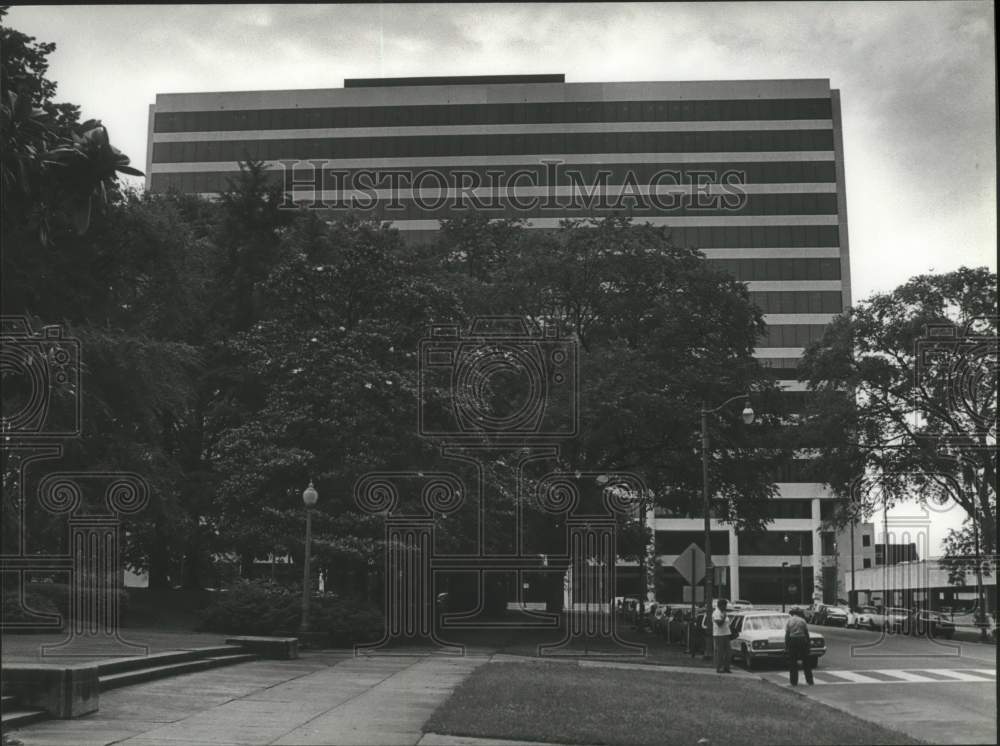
[906,676]
[856,678]
[958,675]
[897,676]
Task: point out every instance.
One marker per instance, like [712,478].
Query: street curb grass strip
[585,663]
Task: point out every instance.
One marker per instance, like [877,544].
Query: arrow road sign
[691,564]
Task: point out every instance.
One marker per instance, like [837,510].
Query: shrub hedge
[260,607]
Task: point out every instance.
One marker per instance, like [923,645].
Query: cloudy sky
[916,79]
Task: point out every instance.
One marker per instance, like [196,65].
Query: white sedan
[760,635]
[862,617]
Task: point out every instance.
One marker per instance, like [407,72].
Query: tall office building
[751,172]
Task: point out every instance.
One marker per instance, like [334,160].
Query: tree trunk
[159,561]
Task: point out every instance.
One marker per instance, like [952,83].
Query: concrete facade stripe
[762,286]
[512,93]
[798,318]
[804,490]
[565,160]
[787,385]
[782,252]
[497,129]
[777,352]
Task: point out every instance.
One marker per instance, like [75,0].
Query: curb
[584,663]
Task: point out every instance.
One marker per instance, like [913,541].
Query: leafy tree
[905,387]
[53,168]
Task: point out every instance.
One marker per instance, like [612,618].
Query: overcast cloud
[916,80]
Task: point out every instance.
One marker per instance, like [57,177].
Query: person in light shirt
[720,637]
[797,647]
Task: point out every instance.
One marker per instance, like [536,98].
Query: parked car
[740,605]
[927,623]
[888,618]
[833,616]
[661,615]
[650,613]
[630,608]
[760,635]
[674,626]
[811,611]
[860,617]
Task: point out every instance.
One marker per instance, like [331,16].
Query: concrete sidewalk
[321,698]
[329,698]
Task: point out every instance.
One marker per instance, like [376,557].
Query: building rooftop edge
[563,83]
[453,80]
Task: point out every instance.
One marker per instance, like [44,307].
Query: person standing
[797,647]
[721,633]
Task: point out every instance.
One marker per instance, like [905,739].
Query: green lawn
[569,704]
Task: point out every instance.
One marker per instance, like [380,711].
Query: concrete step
[162,659]
[16,718]
[140,675]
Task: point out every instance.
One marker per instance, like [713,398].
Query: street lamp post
[309,497]
[836,567]
[852,596]
[783,566]
[748,415]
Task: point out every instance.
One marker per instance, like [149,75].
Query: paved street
[938,691]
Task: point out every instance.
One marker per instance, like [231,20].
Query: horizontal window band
[523,205]
[778,303]
[760,286]
[395,114]
[473,145]
[492,129]
[474,161]
[789,176]
[781,270]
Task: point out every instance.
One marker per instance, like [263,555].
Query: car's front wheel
[814,661]
[748,662]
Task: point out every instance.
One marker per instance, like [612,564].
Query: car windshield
[764,623]
[867,609]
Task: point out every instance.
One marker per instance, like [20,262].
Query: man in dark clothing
[797,647]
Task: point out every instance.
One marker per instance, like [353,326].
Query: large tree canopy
[906,398]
